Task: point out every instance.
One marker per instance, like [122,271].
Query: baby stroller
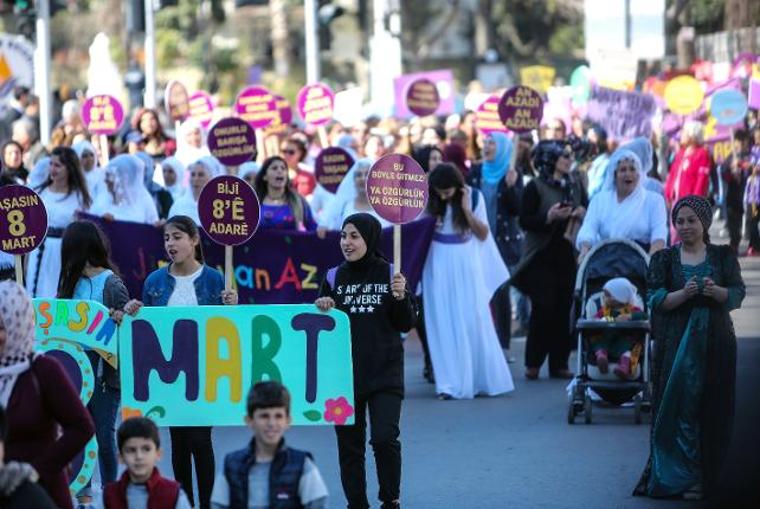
[609,259]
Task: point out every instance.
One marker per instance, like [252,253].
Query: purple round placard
[397,188]
[102,114]
[521,109]
[229,210]
[487,116]
[331,166]
[283,118]
[257,106]
[23,220]
[232,140]
[422,97]
[201,108]
[316,103]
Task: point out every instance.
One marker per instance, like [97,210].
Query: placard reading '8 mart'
[193,366]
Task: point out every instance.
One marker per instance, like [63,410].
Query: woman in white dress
[462,271]
[126,199]
[64,193]
[201,171]
[624,208]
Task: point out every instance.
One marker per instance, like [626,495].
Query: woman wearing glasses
[552,205]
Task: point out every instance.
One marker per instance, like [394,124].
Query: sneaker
[602,362]
[623,368]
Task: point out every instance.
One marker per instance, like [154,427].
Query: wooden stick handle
[19,270]
[396,249]
[324,141]
[105,156]
[513,155]
[228,270]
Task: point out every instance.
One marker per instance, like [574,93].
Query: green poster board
[193,366]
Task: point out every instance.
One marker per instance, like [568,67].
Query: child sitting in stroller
[620,304]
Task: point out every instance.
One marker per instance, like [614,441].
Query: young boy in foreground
[142,486]
[267,473]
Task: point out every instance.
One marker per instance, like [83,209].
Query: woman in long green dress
[692,287]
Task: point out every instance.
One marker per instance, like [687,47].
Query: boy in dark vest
[141,486]
[267,473]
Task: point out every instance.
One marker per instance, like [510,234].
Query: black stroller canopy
[615,259]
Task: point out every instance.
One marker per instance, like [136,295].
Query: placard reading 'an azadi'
[23,220]
[397,188]
[193,366]
[257,106]
[201,107]
[487,116]
[316,103]
[102,115]
[422,97]
[232,141]
[521,109]
[331,166]
[229,210]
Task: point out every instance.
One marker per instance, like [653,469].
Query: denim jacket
[159,286]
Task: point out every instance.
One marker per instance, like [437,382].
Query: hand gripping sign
[229,212]
[397,190]
[23,223]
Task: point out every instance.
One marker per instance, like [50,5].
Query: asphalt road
[517,451]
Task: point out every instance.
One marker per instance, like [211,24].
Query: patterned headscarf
[699,205]
[17,318]
[545,156]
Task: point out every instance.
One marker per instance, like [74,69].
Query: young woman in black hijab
[380,307]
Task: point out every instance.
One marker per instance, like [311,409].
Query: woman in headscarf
[173,171]
[502,190]
[625,209]
[691,289]
[126,199]
[162,199]
[462,271]
[40,173]
[546,271]
[248,170]
[191,142]
[201,171]
[455,154]
[380,307]
[93,174]
[47,423]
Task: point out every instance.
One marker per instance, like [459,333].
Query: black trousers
[501,308]
[734,224]
[193,443]
[422,333]
[549,326]
[384,415]
[754,235]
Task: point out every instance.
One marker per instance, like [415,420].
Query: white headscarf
[83,146]
[17,317]
[346,142]
[332,218]
[622,291]
[39,173]
[186,153]
[128,172]
[180,186]
[186,205]
[247,168]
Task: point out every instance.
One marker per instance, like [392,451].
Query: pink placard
[397,188]
[102,114]
[257,106]
[487,116]
[201,108]
[316,103]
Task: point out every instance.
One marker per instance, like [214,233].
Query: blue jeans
[104,407]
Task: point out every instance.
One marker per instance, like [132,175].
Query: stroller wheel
[571,412]
[637,407]
[587,409]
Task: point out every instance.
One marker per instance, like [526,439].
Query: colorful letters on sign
[194,366]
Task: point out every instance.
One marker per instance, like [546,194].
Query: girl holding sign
[187,281]
[64,193]
[462,271]
[380,307]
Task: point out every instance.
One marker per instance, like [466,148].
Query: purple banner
[444,82]
[623,115]
[274,267]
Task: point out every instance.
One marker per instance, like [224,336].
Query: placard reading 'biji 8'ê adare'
[193,366]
